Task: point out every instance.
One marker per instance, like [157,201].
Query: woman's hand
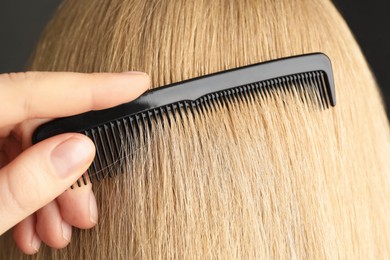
[33,178]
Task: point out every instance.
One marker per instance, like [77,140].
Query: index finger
[57,94]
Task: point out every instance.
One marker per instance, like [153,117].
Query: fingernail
[134,73]
[35,243]
[66,231]
[93,212]
[72,155]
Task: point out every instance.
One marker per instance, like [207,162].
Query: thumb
[40,174]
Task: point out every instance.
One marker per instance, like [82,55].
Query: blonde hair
[262,177]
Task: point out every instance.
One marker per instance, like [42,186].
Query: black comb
[107,127]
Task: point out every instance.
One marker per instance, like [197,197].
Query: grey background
[22,21]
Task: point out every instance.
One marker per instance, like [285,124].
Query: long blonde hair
[263,177]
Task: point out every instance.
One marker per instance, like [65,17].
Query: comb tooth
[78,183]
[292,85]
[98,159]
[173,111]
[317,97]
[252,92]
[293,80]
[85,178]
[117,147]
[195,105]
[228,96]
[192,106]
[218,101]
[121,130]
[266,90]
[140,127]
[109,141]
[180,106]
[130,130]
[324,86]
[275,85]
[164,111]
[299,81]
[199,106]
[303,81]
[269,89]
[295,83]
[167,108]
[93,166]
[243,94]
[106,163]
[279,86]
[272,83]
[258,89]
[185,109]
[282,86]
[134,126]
[190,109]
[237,94]
[161,111]
[221,99]
[274,89]
[126,129]
[303,85]
[148,123]
[93,174]
[155,114]
[234,94]
[299,86]
[150,117]
[176,109]
[312,82]
[144,123]
[209,103]
[317,84]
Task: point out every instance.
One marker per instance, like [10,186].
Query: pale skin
[33,178]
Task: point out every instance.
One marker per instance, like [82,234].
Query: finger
[51,228]
[40,174]
[25,236]
[58,94]
[78,207]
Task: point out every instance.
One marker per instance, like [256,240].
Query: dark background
[22,21]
